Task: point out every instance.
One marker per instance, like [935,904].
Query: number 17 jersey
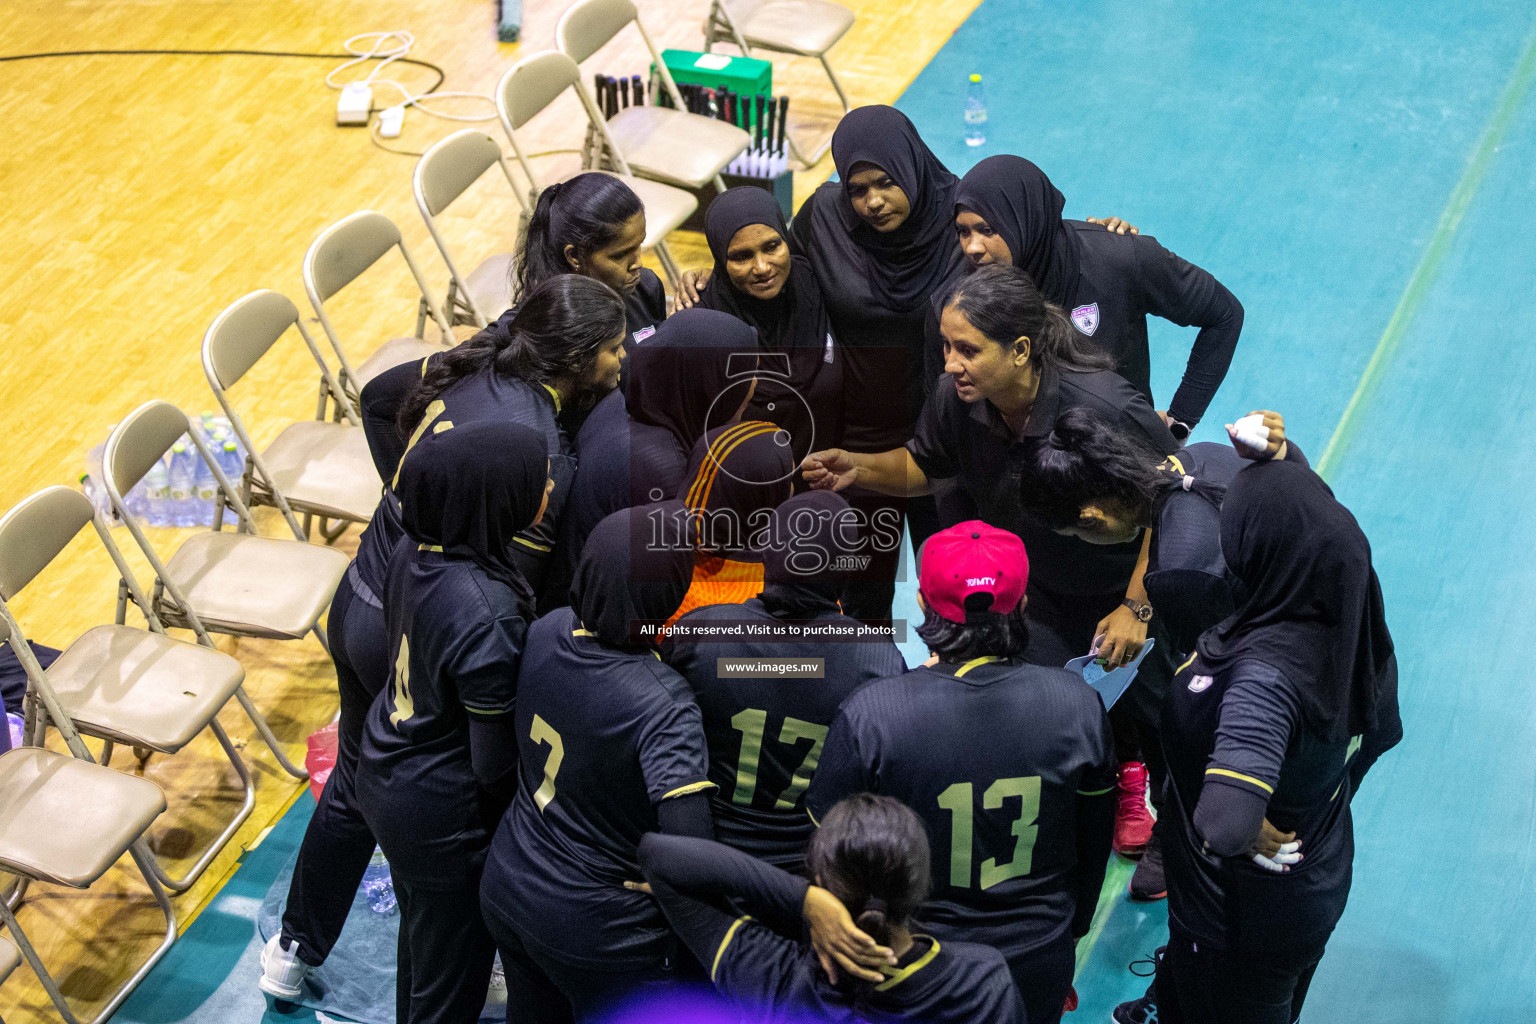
[993,757]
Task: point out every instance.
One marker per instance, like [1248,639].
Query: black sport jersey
[604,736]
[1123,279]
[644,308]
[456,636]
[756,961]
[996,758]
[1243,728]
[765,735]
[971,443]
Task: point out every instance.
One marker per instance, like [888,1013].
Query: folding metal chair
[336,259]
[314,467]
[121,684]
[238,584]
[66,820]
[444,171]
[805,28]
[529,87]
[668,144]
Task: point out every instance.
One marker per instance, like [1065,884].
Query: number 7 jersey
[995,758]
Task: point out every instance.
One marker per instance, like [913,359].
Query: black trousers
[542,989]
[444,953]
[338,842]
[1206,986]
[1044,978]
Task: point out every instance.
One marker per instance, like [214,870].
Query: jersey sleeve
[934,441]
[484,666]
[673,757]
[840,773]
[380,403]
[1183,293]
[1258,714]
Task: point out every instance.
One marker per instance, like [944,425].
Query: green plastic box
[745,75]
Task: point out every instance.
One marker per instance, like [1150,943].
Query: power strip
[355,104]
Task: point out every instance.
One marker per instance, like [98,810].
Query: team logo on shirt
[646,332]
[1086,318]
[1200,684]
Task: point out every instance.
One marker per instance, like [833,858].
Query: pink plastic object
[321,757]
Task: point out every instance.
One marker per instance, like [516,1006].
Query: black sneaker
[1139,1011]
[1147,882]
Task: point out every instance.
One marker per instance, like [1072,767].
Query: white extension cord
[355,106]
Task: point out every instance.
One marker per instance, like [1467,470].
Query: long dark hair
[1004,304]
[871,852]
[585,212]
[1006,636]
[555,332]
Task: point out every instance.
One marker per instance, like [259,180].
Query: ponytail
[585,212]
[1004,304]
[1084,461]
[555,332]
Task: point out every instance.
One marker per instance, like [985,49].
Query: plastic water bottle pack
[180,489]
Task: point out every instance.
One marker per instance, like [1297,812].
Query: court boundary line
[1428,268]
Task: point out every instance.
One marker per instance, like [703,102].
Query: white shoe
[282,972]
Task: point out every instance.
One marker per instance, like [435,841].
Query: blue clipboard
[1110,685]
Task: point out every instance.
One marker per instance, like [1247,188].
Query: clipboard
[1110,685]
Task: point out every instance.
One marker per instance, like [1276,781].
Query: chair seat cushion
[490,285]
[66,821]
[255,586]
[808,27]
[143,688]
[675,146]
[325,468]
[394,352]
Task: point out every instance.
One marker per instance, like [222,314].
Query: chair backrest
[738,11]
[34,532]
[451,166]
[139,441]
[587,24]
[346,249]
[243,333]
[532,84]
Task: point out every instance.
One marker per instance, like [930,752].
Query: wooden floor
[145,193]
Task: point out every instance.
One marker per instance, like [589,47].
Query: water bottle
[183,481]
[17,727]
[207,485]
[377,886]
[157,495]
[975,113]
[232,462]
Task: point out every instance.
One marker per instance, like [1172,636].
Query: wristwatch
[1180,430]
[1141,610]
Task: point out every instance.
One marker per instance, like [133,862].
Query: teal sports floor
[1361,175]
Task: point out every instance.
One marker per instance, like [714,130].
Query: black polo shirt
[971,443]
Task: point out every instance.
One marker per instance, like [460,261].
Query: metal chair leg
[185,882]
[668,265]
[835,83]
[260,722]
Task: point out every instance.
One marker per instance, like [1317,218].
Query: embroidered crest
[643,333]
[1200,684]
[1086,318]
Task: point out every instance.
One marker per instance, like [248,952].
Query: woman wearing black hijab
[760,283]
[1007,211]
[693,375]
[1262,723]
[437,760]
[611,747]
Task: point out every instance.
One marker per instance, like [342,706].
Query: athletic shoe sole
[271,987]
[1135,898]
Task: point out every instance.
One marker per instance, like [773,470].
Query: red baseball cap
[971,559]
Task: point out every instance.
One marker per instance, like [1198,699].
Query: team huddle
[620,700]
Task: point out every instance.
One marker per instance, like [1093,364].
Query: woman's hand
[1122,636]
[689,284]
[829,470]
[1115,225]
[838,941]
[1274,448]
[1274,850]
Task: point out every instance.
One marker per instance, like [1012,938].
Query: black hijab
[470,489]
[1019,202]
[1308,602]
[737,475]
[907,265]
[808,532]
[677,373]
[624,579]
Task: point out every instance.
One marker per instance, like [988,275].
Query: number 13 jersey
[993,756]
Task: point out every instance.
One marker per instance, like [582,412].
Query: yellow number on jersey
[404,707]
[542,732]
[957,800]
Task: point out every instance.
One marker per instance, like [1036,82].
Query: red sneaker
[1133,822]
[1071,1003]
